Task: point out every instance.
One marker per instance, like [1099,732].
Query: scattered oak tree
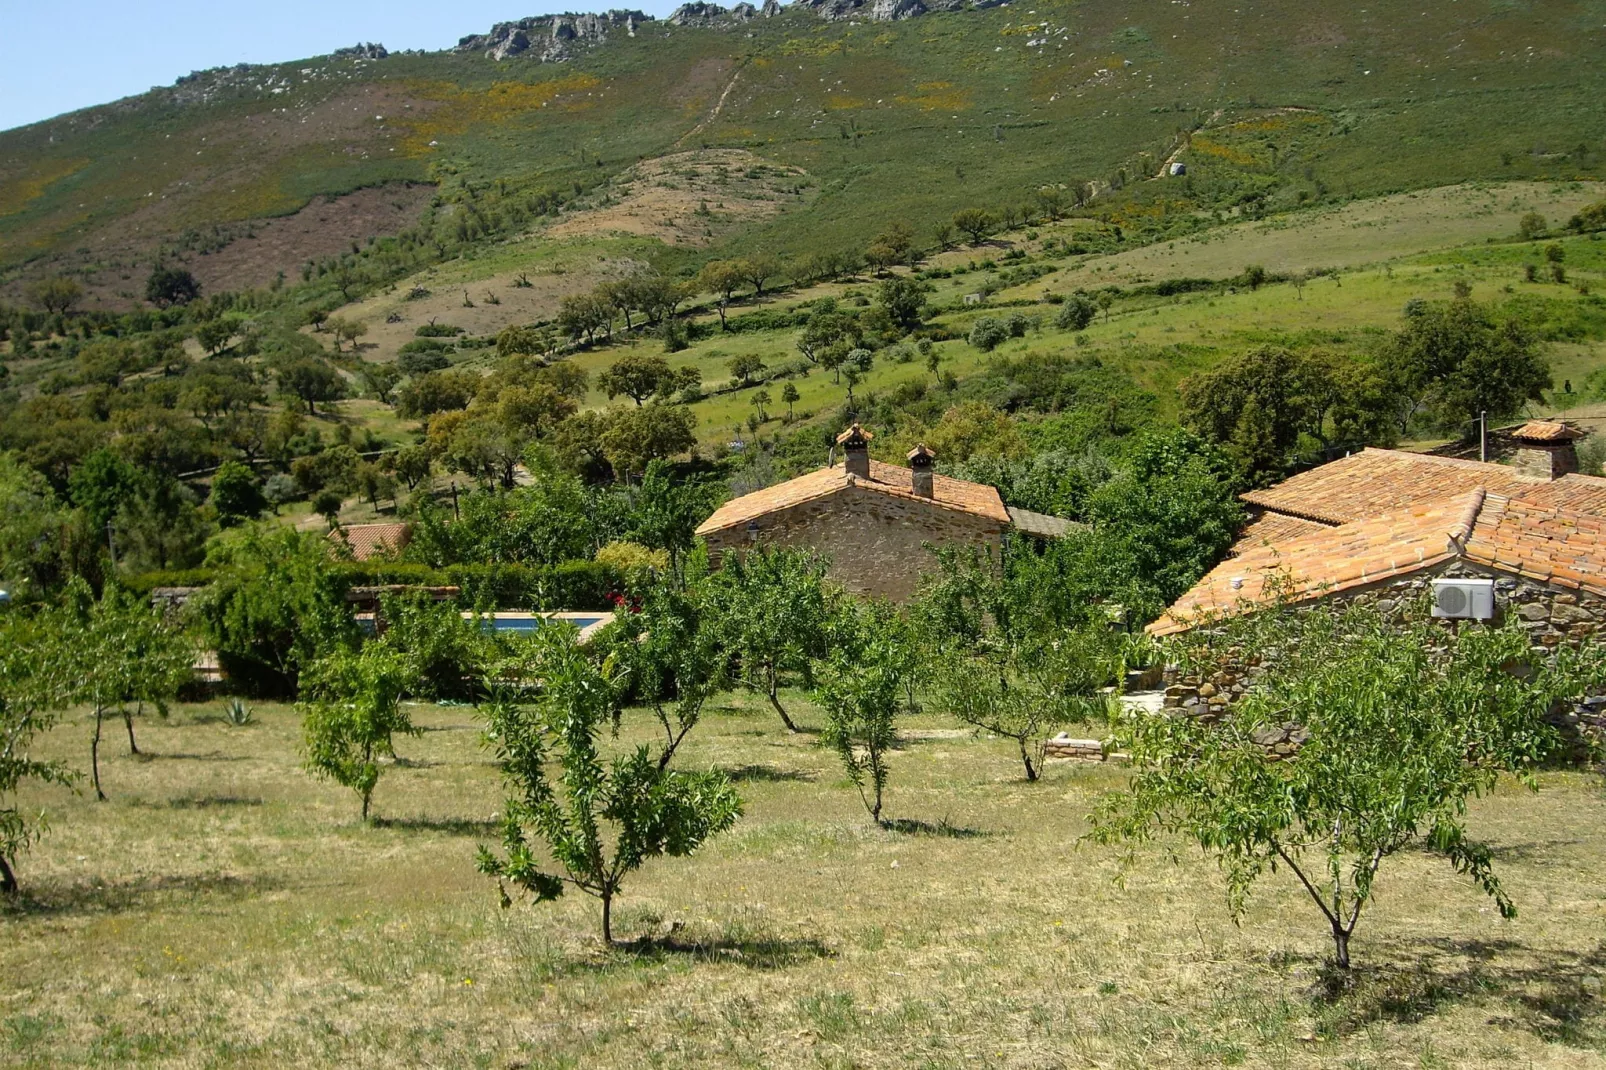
[599,819]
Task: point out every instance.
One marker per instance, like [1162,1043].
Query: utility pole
[1483,435]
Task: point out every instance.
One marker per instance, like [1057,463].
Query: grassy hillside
[1271,103]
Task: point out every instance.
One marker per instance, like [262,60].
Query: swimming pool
[522,623]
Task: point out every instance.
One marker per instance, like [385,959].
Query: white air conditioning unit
[1463,599]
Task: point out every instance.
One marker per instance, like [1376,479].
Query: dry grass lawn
[224,909]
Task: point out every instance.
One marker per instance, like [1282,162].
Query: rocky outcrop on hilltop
[551,38]
[361,50]
[699,13]
[887,10]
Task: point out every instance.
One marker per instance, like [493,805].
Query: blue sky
[60,55]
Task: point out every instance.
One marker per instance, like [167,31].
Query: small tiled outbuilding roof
[1374,481]
[1548,544]
[371,540]
[977,499]
[1042,524]
[1546,431]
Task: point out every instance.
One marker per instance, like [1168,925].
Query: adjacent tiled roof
[1041,524]
[1271,528]
[1549,544]
[1373,482]
[975,498]
[1325,561]
[1581,494]
[1546,431]
[369,540]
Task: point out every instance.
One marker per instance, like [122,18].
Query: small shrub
[988,333]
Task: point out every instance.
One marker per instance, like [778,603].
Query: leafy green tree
[860,688]
[236,494]
[276,606]
[744,366]
[381,380]
[904,300]
[674,651]
[101,485]
[975,222]
[758,269]
[520,341]
[56,295]
[598,819]
[777,610]
[789,395]
[438,391]
[1453,360]
[169,286]
[634,438]
[988,333]
[1532,226]
[760,399]
[214,335]
[34,686]
[665,512]
[638,377]
[123,653]
[997,660]
[830,332]
[1075,313]
[354,714]
[311,381]
[1397,724]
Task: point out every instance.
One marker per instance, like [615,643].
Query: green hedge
[581,585]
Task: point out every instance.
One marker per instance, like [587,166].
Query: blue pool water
[525,623]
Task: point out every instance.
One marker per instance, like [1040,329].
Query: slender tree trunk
[128,722]
[607,917]
[1340,946]
[94,754]
[8,879]
[1026,759]
[366,797]
[776,702]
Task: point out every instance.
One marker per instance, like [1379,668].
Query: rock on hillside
[550,38]
[699,13]
[887,10]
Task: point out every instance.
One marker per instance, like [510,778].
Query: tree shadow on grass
[765,773]
[214,756]
[912,827]
[756,952]
[451,826]
[1554,994]
[47,899]
[199,802]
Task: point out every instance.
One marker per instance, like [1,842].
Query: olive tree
[34,686]
[599,818]
[354,714]
[1392,726]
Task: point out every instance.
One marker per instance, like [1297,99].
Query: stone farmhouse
[1388,524]
[875,521]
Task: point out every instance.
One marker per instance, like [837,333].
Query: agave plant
[237,712]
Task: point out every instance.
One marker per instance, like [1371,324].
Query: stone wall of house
[876,542]
[1553,617]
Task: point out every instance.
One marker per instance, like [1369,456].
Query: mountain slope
[1274,102]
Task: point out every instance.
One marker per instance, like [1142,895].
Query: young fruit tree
[673,652]
[599,818]
[34,685]
[354,714]
[861,686]
[997,660]
[1361,737]
[123,654]
[776,608]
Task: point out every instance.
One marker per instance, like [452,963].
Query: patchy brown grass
[224,909]
[688,198]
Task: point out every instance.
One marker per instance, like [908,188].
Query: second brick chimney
[855,443]
[921,461]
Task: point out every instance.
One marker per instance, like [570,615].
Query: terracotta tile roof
[975,498]
[1271,528]
[1373,482]
[370,540]
[1546,543]
[1581,494]
[1546,431]
[1042,524]
[1325,561]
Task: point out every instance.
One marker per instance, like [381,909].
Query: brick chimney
[921,461]
[1546,449]
[855,443]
